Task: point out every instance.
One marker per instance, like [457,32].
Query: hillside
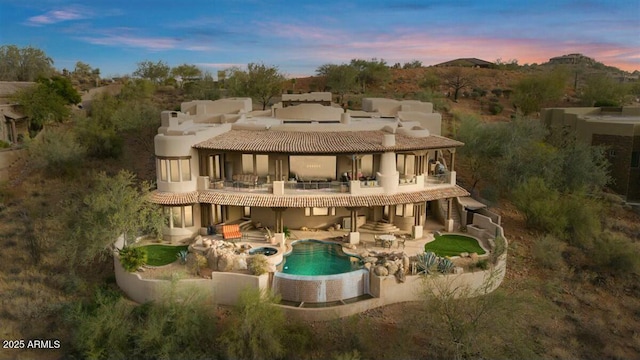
[569,312]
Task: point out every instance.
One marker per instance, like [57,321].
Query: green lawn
[453,245]
[158,255]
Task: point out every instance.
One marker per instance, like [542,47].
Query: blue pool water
[314,257]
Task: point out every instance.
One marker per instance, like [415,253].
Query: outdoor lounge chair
[231,232]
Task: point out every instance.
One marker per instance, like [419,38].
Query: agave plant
[182,256]
[427,262]
[445,265]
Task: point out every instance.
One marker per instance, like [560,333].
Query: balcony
[256,184]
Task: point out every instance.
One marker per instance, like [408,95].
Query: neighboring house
[618,129]
[467,62]
[13,123]
[306,165]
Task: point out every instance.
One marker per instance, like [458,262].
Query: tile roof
[171,198]
[320,142]
[300,201]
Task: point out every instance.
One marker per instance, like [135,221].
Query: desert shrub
[57,152]
[258,264]
[182,326]
[494,107]
[482,264]
[499,248]
[583,220]
[615,253]
[132,257]
[541,206]
[256,329]
[547,251]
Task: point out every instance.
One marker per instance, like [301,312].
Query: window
[404,163]
[246,212]
[319,211]
[185,165]
[174,169]
[180,216]
[404,210]
[313,167]
[635,159]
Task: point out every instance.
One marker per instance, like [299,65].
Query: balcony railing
[323,186]
[239,186]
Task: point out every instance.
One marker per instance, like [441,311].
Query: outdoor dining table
[388,239]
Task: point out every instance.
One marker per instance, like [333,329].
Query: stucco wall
[294,218]
[223,288]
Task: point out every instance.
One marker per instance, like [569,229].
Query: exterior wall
[618,130]
[223,288]
[417,287]
[429,121]
[178,234]
[295,218]
[310,112]
[326,288]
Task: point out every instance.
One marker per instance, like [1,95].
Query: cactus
[427,261]
[445,265]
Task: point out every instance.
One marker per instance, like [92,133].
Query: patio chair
[378,241]
[231,232]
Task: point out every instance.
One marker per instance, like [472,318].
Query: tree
[56,151]
[371,72]
[458,79]
[42,106]
[260,82]
[24,64]
[340,79]
[602,90]
[63,87]
[186,71]
[115,206]
[156,72]
[535,91]
[414,64]
[430,81]
[204,89]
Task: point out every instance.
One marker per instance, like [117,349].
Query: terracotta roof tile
[342,200]
[170,198]
[303,142]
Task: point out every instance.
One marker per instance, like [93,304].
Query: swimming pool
[315,257]
[320,272]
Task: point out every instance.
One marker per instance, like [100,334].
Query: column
[448,223]
[354,235]
[418,227]
[279,226]
[453,159]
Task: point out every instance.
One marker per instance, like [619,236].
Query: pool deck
[367,243]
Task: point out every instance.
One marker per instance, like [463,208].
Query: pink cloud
[56,16]
[432,50]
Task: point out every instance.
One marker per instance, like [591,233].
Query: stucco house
[13,124]
[618,129]
[306,165]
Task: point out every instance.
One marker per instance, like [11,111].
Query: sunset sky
[298,36]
